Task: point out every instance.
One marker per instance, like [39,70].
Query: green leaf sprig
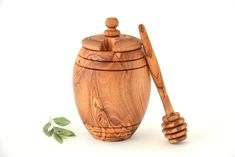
[59,133]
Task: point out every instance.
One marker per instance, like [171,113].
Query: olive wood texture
[111,23]
[111,40]
[121,43]
[111,84]
[173,125]
[111,91]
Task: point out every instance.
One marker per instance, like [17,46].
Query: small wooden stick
[155,70]
[173,125]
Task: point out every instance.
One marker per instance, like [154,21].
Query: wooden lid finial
[111,23]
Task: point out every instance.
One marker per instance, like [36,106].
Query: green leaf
[46,129]
[51,132]
[62,121]
[64,132]
[58,138]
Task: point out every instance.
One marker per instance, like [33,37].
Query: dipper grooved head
[174,127]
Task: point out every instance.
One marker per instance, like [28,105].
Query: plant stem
[52,123]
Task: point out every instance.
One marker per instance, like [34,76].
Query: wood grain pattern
[111,66]
[155,70]
[111,56]
[111,103]
[111,23]
[121,43]
[111,40]
[174,127]
[111,84]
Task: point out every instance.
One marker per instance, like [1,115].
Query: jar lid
[111,40]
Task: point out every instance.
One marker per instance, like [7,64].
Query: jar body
[111,94]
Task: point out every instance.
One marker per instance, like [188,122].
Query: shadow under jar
[111,84]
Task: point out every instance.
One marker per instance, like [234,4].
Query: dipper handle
[155,70]
[174,126]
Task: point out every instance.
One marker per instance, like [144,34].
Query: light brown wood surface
[174,127]
[121,43]
[111,84]
[111,103]
[111,23]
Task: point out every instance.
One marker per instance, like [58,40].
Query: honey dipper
[174,126]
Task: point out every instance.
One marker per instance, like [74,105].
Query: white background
[195,45]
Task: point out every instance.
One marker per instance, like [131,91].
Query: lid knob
[111,23]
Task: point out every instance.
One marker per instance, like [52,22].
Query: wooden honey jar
[111,82]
